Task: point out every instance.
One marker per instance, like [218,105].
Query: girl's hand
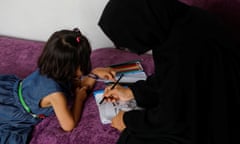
[117,121]
[87,82]
[81,93]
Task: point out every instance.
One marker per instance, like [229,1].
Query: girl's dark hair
[64,52]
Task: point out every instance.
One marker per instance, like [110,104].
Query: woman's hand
[105,73]
[102,73]
[117,121]
[118,93]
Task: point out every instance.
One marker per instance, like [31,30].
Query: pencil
[112,87]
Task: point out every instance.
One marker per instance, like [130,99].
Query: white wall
[38,19]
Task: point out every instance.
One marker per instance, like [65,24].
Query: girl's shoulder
[36,80]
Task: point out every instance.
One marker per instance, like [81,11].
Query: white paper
[108,110]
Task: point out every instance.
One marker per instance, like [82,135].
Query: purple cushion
[18,56]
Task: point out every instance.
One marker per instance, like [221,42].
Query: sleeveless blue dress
[15,122]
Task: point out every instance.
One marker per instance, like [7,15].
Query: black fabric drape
[194,95]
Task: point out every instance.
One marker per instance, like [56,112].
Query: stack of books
[132,71]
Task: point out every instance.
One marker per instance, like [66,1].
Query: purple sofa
[19,56]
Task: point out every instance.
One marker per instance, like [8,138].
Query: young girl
[61,66]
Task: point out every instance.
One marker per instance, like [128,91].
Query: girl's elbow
[68,127]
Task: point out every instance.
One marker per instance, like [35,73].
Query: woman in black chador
[194,95]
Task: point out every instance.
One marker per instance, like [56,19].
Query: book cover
[108,110]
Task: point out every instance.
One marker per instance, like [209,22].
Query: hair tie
[78,39]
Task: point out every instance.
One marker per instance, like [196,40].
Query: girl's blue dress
[15,123]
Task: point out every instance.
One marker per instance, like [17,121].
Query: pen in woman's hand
[112,87]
